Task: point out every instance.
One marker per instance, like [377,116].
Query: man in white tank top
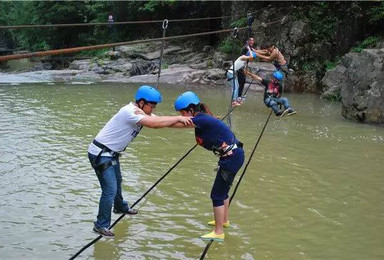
[114,137]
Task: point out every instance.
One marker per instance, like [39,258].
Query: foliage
[59,12]
[333,97]
[164,65]
[239,23]
[368,42]
[322,17]
[322,20]
[229,46]
[329,65]
[154,5]
[377,12]
[309,66]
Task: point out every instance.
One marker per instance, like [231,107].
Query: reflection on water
[314,188]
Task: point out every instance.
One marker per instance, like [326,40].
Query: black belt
[99,168]
[101,146]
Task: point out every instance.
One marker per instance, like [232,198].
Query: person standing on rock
[240,73]
[272,93]
[214,135]
[248,47]
[116,135]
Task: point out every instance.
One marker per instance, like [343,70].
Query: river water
[313,190]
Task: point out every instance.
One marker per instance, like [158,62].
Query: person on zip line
[114,137]
[240,64]
[272,93]
[274,55]
[214,135]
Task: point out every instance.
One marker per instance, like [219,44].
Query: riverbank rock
[359,81]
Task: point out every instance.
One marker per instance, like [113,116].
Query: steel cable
[23,26]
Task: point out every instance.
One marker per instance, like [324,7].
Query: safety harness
[226,149]
[273,89]
[100,167]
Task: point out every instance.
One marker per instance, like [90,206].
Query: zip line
[102,46]
[111,45]
[99,24]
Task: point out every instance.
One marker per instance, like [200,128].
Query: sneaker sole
[284,113]
[290,114]
[213,239]
[214,225]
[102,234]
[127,213]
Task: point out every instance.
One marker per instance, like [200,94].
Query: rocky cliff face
[359,81]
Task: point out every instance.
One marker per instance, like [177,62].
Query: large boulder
[360,79]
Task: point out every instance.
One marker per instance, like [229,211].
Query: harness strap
[225,175]
[229,71]
[99,168]
[227,150]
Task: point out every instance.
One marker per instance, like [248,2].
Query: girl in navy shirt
[214,135]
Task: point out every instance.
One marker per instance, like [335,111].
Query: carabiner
[235,32]
[165,24]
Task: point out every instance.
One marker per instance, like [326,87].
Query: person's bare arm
[245,57]
[264,57]
[253,76]
[181,125]
[165,121]
[263,52]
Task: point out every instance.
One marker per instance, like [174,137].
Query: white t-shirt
[119,131]
[239,64]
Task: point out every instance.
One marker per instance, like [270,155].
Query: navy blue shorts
[228,166]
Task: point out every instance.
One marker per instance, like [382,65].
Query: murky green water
[314,189]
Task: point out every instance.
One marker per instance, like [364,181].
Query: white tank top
[239,64]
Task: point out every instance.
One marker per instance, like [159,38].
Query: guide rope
[165,26]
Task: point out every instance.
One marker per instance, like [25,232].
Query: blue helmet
[149,94]
[278,75]
[252,54]
[185,99]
